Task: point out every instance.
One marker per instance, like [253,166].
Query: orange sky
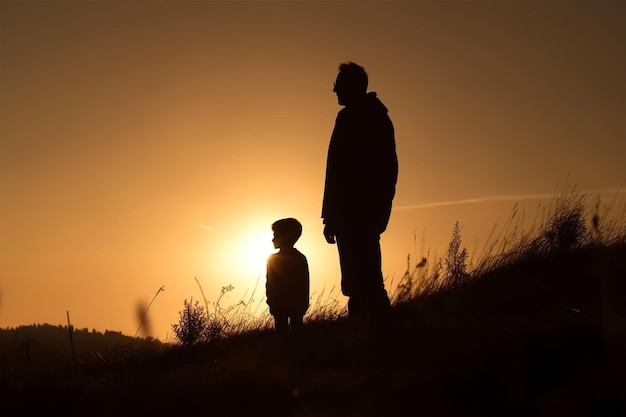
[143,143]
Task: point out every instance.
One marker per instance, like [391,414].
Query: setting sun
[237,255]
[256,246]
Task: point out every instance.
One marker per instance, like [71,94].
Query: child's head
[286,232]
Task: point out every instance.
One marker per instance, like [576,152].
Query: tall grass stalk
[206,303]
[145,313]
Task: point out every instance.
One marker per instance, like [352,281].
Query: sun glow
[255,247]
[241,252]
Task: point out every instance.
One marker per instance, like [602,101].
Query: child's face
[276,241]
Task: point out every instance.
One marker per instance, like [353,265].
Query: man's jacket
[362,168]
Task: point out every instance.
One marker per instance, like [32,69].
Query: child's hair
[289,229]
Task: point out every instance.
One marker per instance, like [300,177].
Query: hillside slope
[545,337]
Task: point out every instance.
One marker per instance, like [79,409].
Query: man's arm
[329,233]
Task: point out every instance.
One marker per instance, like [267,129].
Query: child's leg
[281,324]
[296,323]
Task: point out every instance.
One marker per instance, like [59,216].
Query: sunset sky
[145,143]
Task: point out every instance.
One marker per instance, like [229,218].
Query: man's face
[341,89]
[347,92]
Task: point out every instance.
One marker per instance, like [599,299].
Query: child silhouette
[287,287]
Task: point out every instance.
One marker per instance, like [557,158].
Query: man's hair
[289,229]
[355,75]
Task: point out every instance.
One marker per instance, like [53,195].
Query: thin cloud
[499,198]
[209,228]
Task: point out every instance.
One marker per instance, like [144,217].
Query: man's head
[351,84]
[286,232]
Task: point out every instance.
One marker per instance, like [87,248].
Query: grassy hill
[534,328]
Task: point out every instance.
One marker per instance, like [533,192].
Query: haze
[143,144]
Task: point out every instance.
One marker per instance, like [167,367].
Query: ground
[418,364]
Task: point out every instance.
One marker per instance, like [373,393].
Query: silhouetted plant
[232,320]
[456,259]
[193,325]
[239,318]
[608,226]
[326,307]
[566,228]
[409,284]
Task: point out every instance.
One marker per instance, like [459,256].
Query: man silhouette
[361,175]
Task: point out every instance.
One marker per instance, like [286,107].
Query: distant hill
[41,346]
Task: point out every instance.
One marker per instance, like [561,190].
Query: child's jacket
[287,286]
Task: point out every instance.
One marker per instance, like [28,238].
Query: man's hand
[329,234]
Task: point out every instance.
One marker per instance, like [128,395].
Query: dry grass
[572,223]
[569,224]
[534,325]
